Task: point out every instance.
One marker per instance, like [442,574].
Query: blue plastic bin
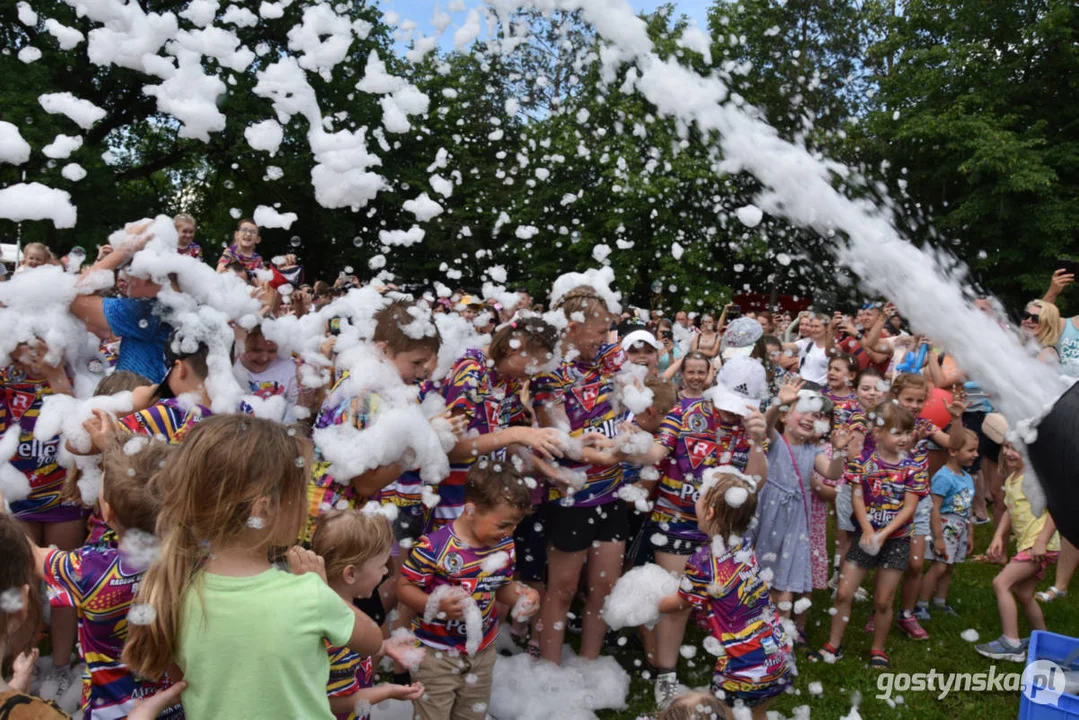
[1064,651]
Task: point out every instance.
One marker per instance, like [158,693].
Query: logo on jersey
[699,450]
[587,395]
[454,562]
[19,402]
[493,408]
[698,423]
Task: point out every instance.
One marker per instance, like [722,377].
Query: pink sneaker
[912,628]
[871,624]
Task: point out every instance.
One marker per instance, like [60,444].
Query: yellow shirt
[1025,527]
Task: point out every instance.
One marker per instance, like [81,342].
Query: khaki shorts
[457,687]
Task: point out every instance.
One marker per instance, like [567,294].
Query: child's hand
[403,650]
[22,668]
[98,427]
[856,444]
[788,392]
[1038,550]
[940,548]
[527,604]
[453,605]
[150,707]
[546,442]
[841,438]
[414,691]
[302,561]
[996,551]
[958,405]
[755,426]
[458,424]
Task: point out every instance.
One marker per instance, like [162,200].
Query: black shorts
[530,547]
[894,554]
[573,529]
[986,447]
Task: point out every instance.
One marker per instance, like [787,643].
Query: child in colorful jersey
[484,388]
[246,238]
[911,391]
[355,547]
[452,579]
[49,519]
[265,374]
[410,358]
[757,663]
[868,390]
[1037,546]
[102,581]
[591,521]
[214,586]
[842,372]
[886,490]
[953,537]
[185,231]
[722,428]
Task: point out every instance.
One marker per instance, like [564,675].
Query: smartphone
[734,312]
[335,326]
[1070,266]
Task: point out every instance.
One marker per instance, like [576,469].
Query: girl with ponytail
[246,636]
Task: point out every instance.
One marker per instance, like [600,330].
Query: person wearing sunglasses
[1040,321]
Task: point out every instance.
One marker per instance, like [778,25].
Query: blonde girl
[247,636]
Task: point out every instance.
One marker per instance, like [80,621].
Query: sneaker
[879,660]
[55,683]
[573,624]
[1050,595]
[666,689]
[1024,642]
[1001,649]
[861,595]
[946,609]
[982,520]
[833,582]
[922,613]
[909,625]
[870,624]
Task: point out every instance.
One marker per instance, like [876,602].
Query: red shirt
[853,347]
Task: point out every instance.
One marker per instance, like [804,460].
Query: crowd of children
[378,498]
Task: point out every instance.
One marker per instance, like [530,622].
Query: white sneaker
[861,595]
[666,689]
[56,683]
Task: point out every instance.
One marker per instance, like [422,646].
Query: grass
[945,652]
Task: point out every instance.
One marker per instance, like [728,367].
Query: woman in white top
[814,350]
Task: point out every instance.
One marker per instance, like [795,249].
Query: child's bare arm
[673,603]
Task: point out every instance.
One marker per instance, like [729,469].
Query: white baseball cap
[746,377]
[640,336]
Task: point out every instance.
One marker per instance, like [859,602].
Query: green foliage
[550,156]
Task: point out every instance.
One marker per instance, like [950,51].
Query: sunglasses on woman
[1033,317]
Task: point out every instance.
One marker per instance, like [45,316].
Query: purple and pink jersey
[918,458]
[250,262]
[101,585]
[697,438]
[21,398]
[442,558]
[585,388]
[491,403]
[166,419]
[740,616]
[192,250]
[884,489]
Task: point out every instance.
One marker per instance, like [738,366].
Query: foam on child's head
[405,326]
[892,416]
[732,497]
[532,335]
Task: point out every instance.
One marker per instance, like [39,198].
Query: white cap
[640,336]
[745,376]
[730,401]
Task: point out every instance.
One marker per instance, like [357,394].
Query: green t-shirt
[258,650]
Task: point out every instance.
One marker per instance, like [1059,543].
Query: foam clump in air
[82,112]
[267,217]
[634,601]
[14,149]
[599,280]
[34,201]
